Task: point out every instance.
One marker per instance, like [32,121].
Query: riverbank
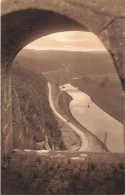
[71,140]
[108,95]
[94,119]
[95,145]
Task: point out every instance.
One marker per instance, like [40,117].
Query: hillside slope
[76,62]
[33,121]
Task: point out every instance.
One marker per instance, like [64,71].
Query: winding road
[84,141]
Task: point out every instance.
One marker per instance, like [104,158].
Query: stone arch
[24,21]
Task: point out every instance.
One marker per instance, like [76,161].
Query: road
[53,71]
[84,141]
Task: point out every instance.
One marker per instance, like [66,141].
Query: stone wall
[63,173]
[6,112]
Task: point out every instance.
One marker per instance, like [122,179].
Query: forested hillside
[75,61]
[33,120]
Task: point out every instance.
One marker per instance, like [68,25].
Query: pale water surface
[93,118]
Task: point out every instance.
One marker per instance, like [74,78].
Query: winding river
[92,117]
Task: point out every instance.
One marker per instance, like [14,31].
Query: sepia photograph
[62,97]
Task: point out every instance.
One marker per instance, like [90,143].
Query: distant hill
[76,62]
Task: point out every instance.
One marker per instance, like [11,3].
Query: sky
[68,41]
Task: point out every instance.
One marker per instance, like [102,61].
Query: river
[84,142]
[93,118]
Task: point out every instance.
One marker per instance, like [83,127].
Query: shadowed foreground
[63,173]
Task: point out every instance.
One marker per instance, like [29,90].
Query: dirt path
[84,141]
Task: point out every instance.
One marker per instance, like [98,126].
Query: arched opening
[27,26]
[80,60]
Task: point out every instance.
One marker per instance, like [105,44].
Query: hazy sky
[71,41]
